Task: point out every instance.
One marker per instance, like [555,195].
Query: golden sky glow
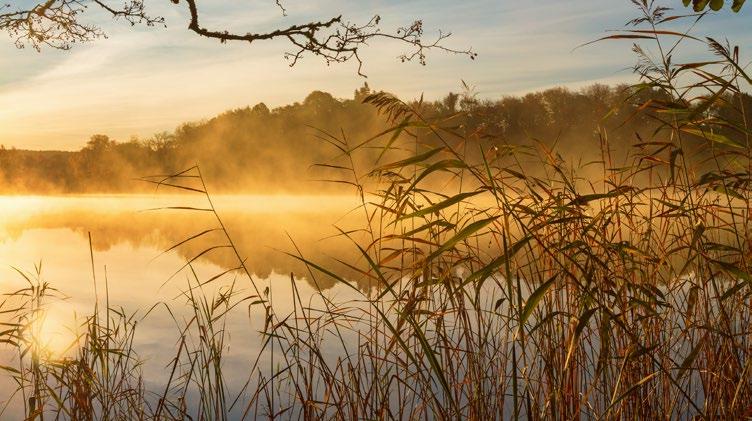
[144,80]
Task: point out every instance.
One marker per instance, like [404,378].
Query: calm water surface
[129,242]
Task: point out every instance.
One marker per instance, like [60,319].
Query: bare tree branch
[57,24]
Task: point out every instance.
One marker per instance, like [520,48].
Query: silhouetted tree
[257,148]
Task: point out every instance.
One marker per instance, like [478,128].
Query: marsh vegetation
[485,277]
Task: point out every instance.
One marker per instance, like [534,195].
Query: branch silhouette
[58,24]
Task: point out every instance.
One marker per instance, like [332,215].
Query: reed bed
[494,281]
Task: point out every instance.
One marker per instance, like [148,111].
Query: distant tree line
[272,150]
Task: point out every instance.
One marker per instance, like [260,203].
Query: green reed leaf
[463,234]
[490,268]
[409,161]
[534,299]
[441,205]
[582,322]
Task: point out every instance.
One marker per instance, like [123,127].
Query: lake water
[137,266]
[129,239]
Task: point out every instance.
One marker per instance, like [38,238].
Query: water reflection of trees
[262,229]
[262,238]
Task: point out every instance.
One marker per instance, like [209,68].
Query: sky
[140,80]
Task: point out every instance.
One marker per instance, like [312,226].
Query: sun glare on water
[51,336]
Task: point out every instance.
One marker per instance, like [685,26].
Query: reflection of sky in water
[127,253]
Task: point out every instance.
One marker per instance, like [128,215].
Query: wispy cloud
[143,80]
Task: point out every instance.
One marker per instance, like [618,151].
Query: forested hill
[256,149]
